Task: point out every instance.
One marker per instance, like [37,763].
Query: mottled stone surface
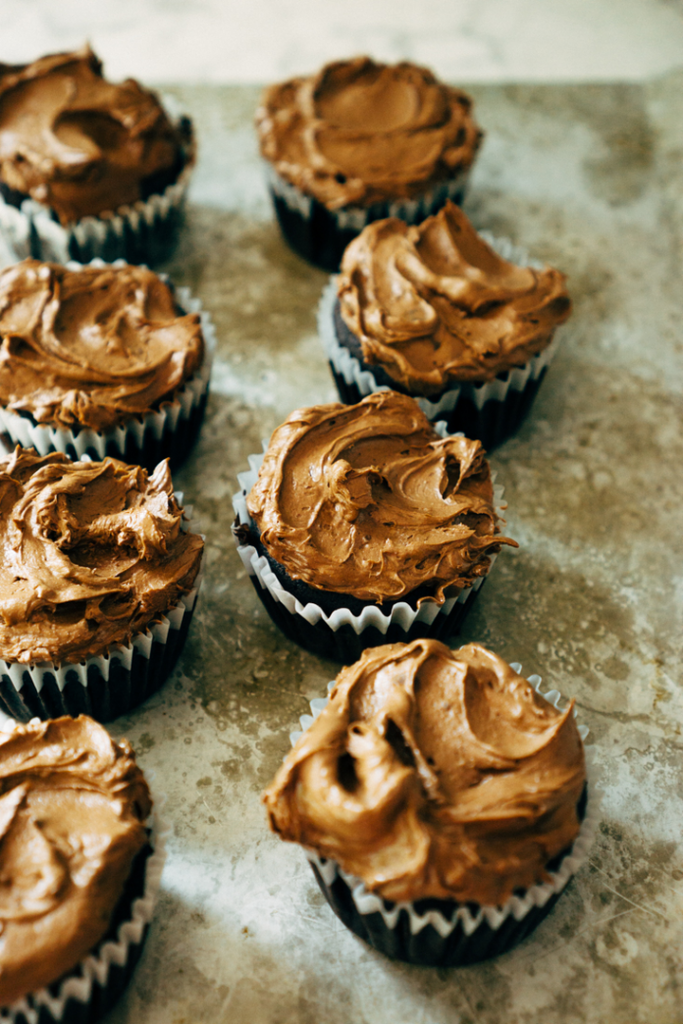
[588,178]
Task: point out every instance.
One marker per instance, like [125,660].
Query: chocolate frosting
[91,347]
[91,553]
[433,304]
[368,500]
[77,143]
[72,808]
[359,132]
[434,772]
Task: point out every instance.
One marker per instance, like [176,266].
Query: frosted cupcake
[361,524]
[359,141]
[440,800]
[101,360]
[435,311]
[88,167]
[98,583]
[80,865]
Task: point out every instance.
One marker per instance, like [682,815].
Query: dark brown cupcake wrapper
[321,235]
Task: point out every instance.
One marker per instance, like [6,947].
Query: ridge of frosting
[433,304]
[92,347]
[433,772]
[368,500]
[91,553]
[360,132]
[72,809]
[78,143]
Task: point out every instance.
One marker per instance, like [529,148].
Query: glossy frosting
[72,808]
[434,772]
[77,143]
[91,552]
[359,132]
[91,347]
[434,304]
[368,500]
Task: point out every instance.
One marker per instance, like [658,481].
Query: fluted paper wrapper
[320,235]
[490,410]
[103,686]
[446,933]
[143,232]
[343,635]
[145,440]
[90,990]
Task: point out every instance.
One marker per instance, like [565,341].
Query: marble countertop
[588,178]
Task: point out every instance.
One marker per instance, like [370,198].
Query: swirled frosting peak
[368,500]
[360,132]
[72,809]
[91,552]
[434,772]
[91,347]
[433,304]
[77,143]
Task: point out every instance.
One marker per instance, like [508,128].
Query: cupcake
[80,867]
[434,311]
[98,582]
[88,168]
[101,360]
[362,525]
[360,141]
[442,801]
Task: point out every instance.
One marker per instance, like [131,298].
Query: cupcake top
[368,500]
[92,552]
[433,304]
[360,132]
[433,772]
[72,815]
[79,144]
[92,347]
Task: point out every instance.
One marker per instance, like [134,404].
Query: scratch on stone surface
[646,910]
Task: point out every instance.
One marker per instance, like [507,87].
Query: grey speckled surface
[588,178]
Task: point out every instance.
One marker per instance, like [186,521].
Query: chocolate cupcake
[101,360]
[437,312]
[441,799]
[98,583]
[361,524]
[360,141]
[81,865]
[88,168]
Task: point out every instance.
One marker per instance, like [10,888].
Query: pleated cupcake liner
[447,933]
[320,235]
[168,432]
[143,232]
[87,992]
[103,686]
[490,411]
[342,634]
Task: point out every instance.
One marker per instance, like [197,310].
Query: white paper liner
[31,230]
[350,369]
[402,614]
[518,906]
[141,642]
[95,968]
[355,218]
[22,430]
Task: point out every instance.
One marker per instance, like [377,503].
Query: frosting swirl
[360,132]
[92,347]
[79,144]
[72,810]
[368,500]
[433,304]
[434,772]
[91,553]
